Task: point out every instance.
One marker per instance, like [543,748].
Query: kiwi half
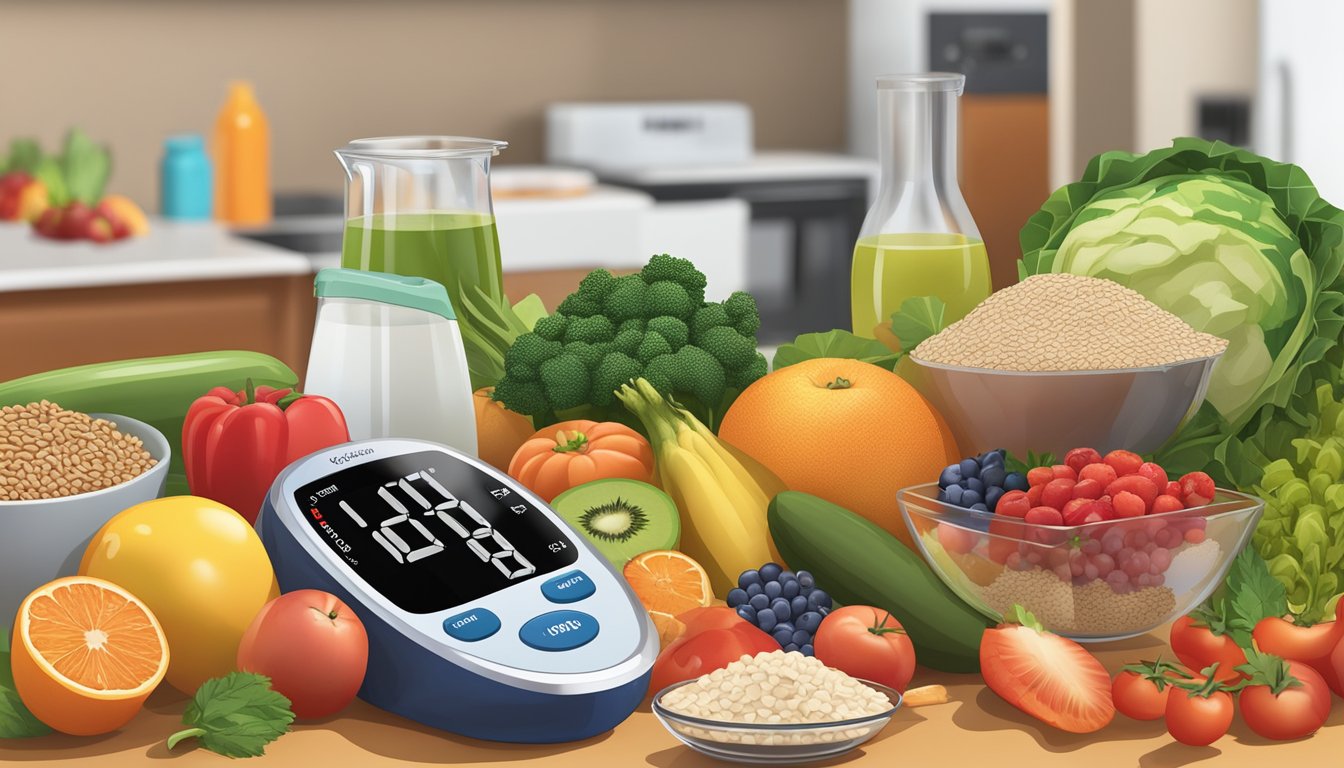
[621,518]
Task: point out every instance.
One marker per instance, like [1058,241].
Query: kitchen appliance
[487,615]
[387,350]
[633,135]
[918,239]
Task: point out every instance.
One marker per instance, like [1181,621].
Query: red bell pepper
[234,444]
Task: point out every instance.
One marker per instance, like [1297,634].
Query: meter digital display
[429,533]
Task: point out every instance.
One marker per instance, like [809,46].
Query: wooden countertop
[976,728]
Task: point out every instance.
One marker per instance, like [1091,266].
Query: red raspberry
[1155,473]
[1040,476]
[1136,484]
[1102,473]
[1124,462]
[1057,493]
[1081,457]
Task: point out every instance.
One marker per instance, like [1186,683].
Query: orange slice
[86,655]
[668,581]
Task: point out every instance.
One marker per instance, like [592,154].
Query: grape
[805,580]
[770,572]
[969,468]
[759,602]
[801,637]
[773,589]
[790,648]
[737,597]
[748,578]
[790,589]
[1160,560]
[819,599]
[806,650]
[809,621]
[765,619]
[754,590]
[1104,564]
[798,606]
[747,612]
[781,608]
[950,476]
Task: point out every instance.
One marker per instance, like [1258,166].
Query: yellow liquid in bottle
[888,269]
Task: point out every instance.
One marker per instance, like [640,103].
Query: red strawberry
[1051,678]
[1081,457]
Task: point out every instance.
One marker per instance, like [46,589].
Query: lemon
[199,567]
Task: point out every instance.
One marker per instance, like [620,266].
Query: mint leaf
[837,343]
[236,715]
[918,318]
[16,722]
[86,167]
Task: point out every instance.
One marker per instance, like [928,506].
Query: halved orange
[668,581]
[86,655]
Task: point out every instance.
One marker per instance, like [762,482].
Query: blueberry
[801,637]
[770,571]
[765,619]
[805,580]
[791,589]
[798,606]
[790,648]
[819,599]
[968,499]
[782,636]
[993,477]
[747,612]
[748,577]
[781,608]
[942,495]
[737,597]
[992,459]
[758,602]
[823,610]
[809,620]
[970,468]
[974,484]
[806,650]
[950,476]
[1016,481]
[773,589]
[787,626]
[953,495]
[992,497]
[980,507]
[754,590]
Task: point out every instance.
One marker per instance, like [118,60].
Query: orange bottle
[242,159]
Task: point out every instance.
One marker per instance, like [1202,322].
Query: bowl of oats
[775,708]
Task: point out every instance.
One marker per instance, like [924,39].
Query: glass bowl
[778,743]
[1096,582]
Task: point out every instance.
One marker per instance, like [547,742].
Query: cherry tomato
[1198,647]
[1154,472]
[1196,719]
[867,643]
[1295,711]
[1138,697]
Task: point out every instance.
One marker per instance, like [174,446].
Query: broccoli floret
[525,397]
[596,285]
[672,329]
[652,346]
[679,271]
[742,313]
[628,299]
[741,378]
[636,323]
[590,329]
[577,305]
[691,370]
[566,380]
[551,327]
[529,352]
[730,348]
[615,369]
[667,298]
[628,341]
[590,354]
[706,317]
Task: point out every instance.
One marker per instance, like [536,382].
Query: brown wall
[132,71]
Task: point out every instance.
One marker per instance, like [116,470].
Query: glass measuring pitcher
[420,206]
[919,238]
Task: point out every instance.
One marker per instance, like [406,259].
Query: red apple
[49,223]
[313,648]
[75,223]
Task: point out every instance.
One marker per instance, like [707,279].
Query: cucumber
[155,390]
[858,563]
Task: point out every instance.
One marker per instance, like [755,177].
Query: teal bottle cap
[414,292]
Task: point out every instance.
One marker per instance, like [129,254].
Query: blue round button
[559,631]
[569,587]
[473,625]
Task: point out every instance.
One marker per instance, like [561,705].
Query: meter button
[473,625]
[559,631]
[569,588]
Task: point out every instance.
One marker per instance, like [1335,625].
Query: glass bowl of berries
[1099,547]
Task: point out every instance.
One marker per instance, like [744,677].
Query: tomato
[312,646]
[1197,719]
[714,638]
[1295,711]
[867,643]
[1140,690]
[1316,646]
[1198,647]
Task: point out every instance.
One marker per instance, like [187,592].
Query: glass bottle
[919,238]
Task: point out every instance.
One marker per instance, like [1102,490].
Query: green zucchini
[858,563]
[155,390]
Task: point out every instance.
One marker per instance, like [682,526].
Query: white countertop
[170,252]
[762,167]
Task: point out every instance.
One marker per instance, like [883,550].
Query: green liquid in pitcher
[455,249]
[888,269]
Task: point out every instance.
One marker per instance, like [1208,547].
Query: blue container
[186,182]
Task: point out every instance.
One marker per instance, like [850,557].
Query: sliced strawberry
[1049,677]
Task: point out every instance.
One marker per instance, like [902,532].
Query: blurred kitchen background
[738,133]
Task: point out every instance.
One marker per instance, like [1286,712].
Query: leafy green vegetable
[1248,594]
[236,715]
[1012,463]
[1235,244]
[85,167]
[654,324]
[16,722]
[918,318]
[24,155]
[529,310]
[836,343]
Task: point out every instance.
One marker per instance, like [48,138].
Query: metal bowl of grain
[96,465]
[1059,361]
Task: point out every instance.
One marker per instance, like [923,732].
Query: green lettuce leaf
[837,343]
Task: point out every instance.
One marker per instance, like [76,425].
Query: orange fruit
[499,431]
[843,430]
[669,628]
[668,581]
[86,655]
